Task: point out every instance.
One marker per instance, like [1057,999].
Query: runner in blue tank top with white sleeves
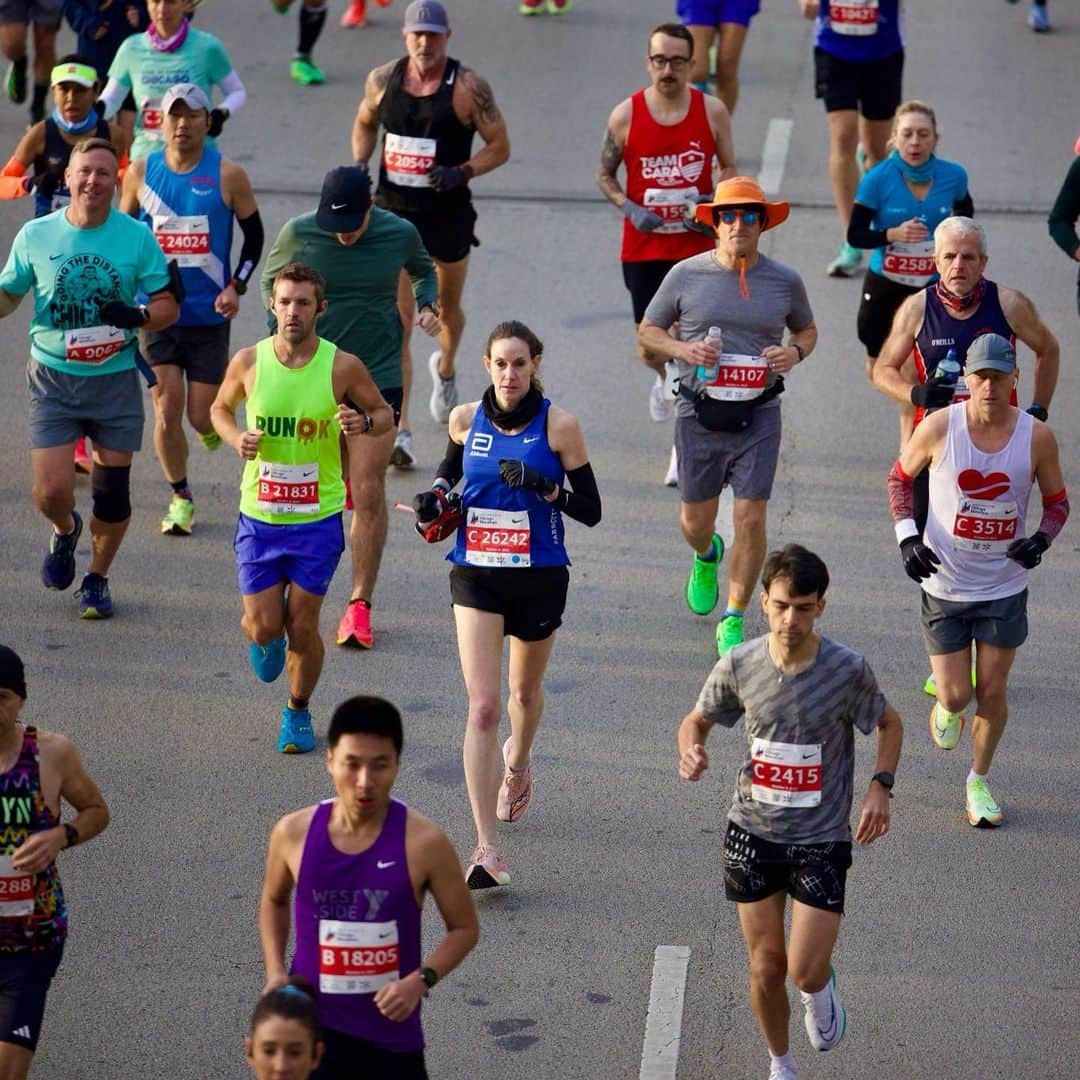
[517,453]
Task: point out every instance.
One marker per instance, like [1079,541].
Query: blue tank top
[859,31]
[504,526]
[191,224]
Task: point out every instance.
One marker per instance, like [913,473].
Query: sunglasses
[729,217]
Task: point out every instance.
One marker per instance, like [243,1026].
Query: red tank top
[666,165]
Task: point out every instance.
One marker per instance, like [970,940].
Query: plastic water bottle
[715,338]
[948,371]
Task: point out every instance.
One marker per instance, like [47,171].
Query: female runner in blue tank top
[525,465]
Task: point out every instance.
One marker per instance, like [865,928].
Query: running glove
[517,474]
[643,220]
[437,514]
[447,177]
[1028,550]
[935,394]
[46,182]
[217,122]
[122,316]
[919,560]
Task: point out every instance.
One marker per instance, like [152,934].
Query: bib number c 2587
[407,159]
[734,377]
[497,537]
[357,957]
[288,489]
[854,18]
[93,344]
[16,891]
[785,774]
[987,528]
[909,264]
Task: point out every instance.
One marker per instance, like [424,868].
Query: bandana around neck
[87,124]
[516,417]
[917,174]
[961,303]
[168,44]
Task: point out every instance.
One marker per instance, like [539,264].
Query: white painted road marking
[774,154]
[663,1025]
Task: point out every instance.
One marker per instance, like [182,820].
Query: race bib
[734,377]
[670,204]
[407,159]
[909,264]
[357,957]
[152,118]
[186,239]
[93,344]
[785,774]
[288,489]
[16,891]
[984,527]
[854,18]
[497,537]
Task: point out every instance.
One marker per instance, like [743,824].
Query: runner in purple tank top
[357,868]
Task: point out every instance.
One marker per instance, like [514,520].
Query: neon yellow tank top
[296,477]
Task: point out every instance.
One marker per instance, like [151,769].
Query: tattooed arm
[611,154]
[476,98]
[365,132]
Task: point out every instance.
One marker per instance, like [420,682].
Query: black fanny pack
[728,415]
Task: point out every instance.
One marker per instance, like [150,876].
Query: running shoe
[945,727]
[782,1071]
[930,686]
[847,263]
[15,80]
[729,633]
[559,7]
[297,735]
[712,60]
[267,661]
[355,15]
[515,790]
[83,461]
[661,407]
[486,869]
[210,441]
[58,569]
[444,395]
[1039,19]
[402,456]
[671,477]
[981,810]
[702,592]
[305,72]
[95,602]
[827,1036]
[179,518]
[355,626]
[531,7]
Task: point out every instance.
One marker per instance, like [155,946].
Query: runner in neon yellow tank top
[289,536]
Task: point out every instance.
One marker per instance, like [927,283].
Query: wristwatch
[1038,411]
[430,977]
[886,780]
[72,835]
[239,286]
[798,349]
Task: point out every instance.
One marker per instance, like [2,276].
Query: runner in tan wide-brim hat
[740,191]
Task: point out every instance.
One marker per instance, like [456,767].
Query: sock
[298,704]
[710,555]
[734,610]
[311,24]
[783,1059]
[973,775]
[361,600]
[180,487]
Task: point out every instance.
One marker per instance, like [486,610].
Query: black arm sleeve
[450,468]
[964,207]
[583,503]
[859,233]
[251,249]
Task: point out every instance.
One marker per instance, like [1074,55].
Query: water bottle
[715,338]
[948,371]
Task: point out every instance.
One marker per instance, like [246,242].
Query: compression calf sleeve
[311,25]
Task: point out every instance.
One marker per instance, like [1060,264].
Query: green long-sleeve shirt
[1065,211]
[361,284]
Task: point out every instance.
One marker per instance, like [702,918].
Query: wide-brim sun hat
[743,191]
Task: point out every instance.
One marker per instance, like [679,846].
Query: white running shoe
[661,407]
[782,1071]
[825,1031]
[402,456]
[671,479]
[444,395]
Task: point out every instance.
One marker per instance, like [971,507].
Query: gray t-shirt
[796,785]
[698,293]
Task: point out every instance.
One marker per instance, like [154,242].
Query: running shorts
[306,553]
[25,978]
[710,461]
[643,279]
[873,88]
[392,395]
[880,300]
[813,874]
[447,238]
[346,1057]
[531,600]
[715,12]
[46,13]
[950,625]
[201,351]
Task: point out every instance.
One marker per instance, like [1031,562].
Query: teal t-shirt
[148,73]
[74,271]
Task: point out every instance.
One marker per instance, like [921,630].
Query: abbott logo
[480,445]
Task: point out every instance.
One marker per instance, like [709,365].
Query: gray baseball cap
[426,16]
[990,351]
[188,93]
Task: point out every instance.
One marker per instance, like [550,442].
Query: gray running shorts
[47,13]
[201,351]
[746,461]
[950,625]
[108,408]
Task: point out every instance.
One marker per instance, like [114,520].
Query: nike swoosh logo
[384,936]
[310,472]
[531,439]
[450,78]
[338,206]
[52,257]
[385,865]
[807,757]
[832,903]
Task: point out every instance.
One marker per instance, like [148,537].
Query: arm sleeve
[12,182]
[1065,211]
[251,249]
[450,469]
[1055,514]
[859,233]
[901,493]
[113,96]
[582,503]
[719,700]
[234,91]
[421,270]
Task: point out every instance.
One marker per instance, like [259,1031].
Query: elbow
[592,518]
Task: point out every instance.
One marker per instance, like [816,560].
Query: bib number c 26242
[497,537]
[357,957]
[785,774]
[16,891]
[288,489]
[987,528]
[407,159]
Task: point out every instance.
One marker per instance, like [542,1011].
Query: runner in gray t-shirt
[751,299]
[800,696]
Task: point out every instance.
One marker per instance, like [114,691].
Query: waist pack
[730,416]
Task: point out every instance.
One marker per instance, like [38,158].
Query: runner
[430,106]
[1038,17]
[288,537]
[517,452]
[171,51]
[86,265]
[721,25]
[671,138]
[858,65]
[312,18]
[355,15]
[358,868]
[898,205]
[189,195]
[15,19]
[971,557]
[1064,213]
[727,424]
[801,696]
[285,1041]
[361,251]
[38,770]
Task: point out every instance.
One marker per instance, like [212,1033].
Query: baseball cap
[990,351]
[426,15]
[186,92]
[346,196]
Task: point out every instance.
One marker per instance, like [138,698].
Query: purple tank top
[941,332]
[357,927]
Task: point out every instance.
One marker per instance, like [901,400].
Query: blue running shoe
[93,596]
[267,661]
[297,736]
[58,569]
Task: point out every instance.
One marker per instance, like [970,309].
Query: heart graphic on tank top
[972,482]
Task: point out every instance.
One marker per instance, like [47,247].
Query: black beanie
[12,676]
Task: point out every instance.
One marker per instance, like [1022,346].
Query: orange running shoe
[355,15]
[355,625]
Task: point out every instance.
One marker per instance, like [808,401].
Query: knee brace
[111,487]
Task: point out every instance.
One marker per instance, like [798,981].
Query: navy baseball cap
[346,196]
[990,351]
[426,16]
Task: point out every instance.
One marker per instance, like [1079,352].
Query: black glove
[1038,412]
[1028,550]
[117,313]
[217,122]
[517,474]
[447,177]
[447,516]
[427,506]
[935,394]
[46,182]
[919,561]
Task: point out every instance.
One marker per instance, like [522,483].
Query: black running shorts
[25,978]
[873,88]
[530,600]
[347,1057]
[881,298]
[448,238]
[643,279]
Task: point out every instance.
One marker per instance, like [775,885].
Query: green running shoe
[179,517]
[930,686]
[15,81]
[702,592]
[945,727]
[981,810]
[729,633]
[210,441]
[847,263]
[305,72]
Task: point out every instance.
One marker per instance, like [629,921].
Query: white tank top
[978,507]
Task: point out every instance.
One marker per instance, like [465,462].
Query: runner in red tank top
[674,142]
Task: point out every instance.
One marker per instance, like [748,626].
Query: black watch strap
[886,780]
[430,977]
[72,835]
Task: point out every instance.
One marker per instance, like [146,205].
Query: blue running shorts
[715,12]
[306,554]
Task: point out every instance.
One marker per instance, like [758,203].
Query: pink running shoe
[355,15]
[355,626]
[486,869]
[515,790]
